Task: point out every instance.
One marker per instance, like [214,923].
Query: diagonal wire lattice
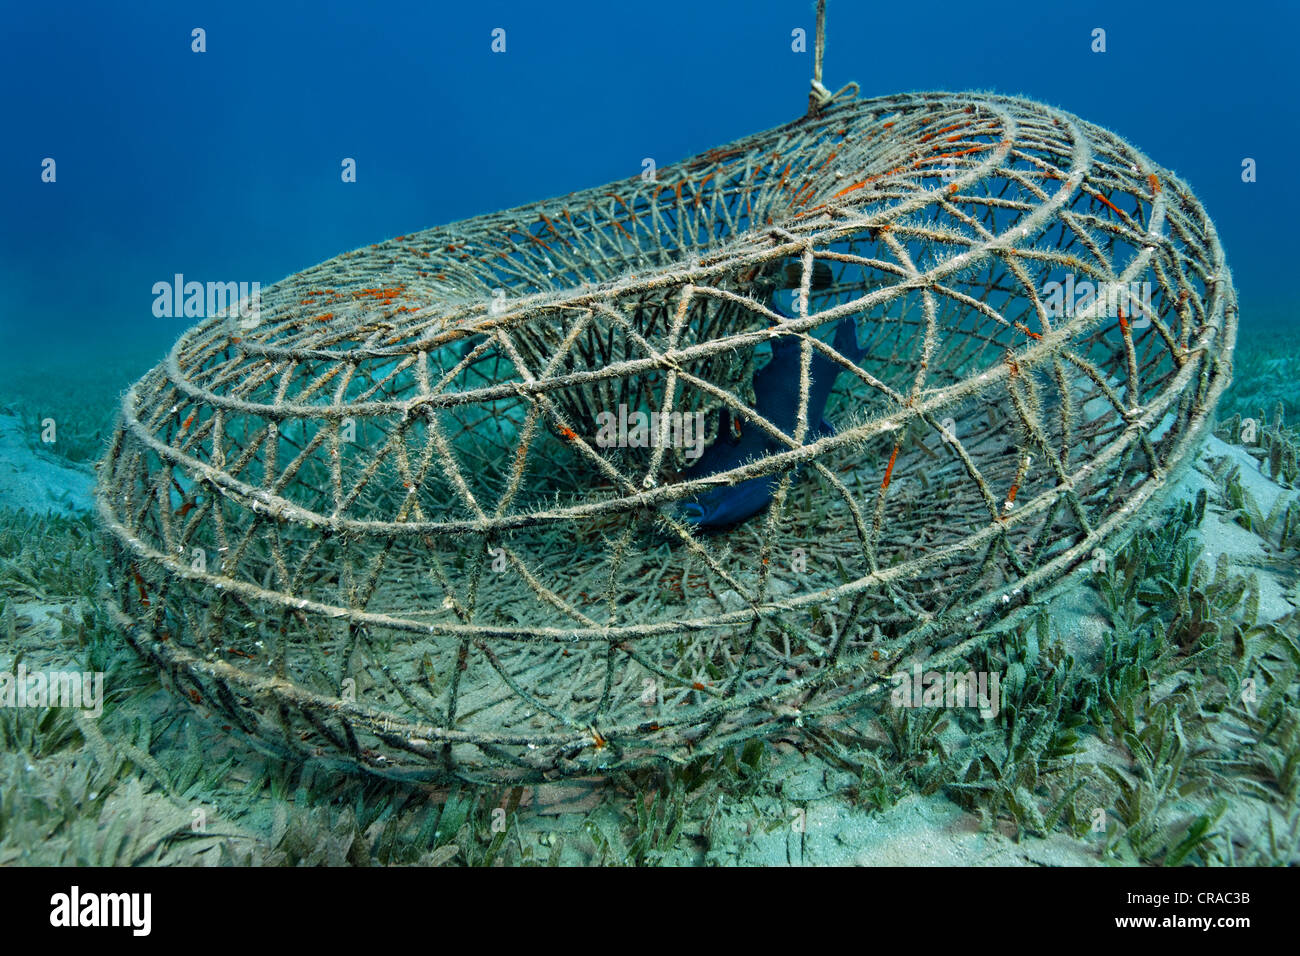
[378,523]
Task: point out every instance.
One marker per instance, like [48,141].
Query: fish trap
[422,507]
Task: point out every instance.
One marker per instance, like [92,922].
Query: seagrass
[376,521]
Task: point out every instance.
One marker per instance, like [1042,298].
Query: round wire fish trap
[438,507]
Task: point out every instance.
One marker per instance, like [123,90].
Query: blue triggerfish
[776,391]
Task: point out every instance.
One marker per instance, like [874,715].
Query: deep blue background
[225,165]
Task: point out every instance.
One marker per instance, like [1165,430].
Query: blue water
[225,165]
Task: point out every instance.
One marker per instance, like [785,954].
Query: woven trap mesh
[380,522]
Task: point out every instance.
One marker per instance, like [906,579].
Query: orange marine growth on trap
[385,294]
[938,132]
[1011,495]
[139,583]
[889,471]
[1115,208]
